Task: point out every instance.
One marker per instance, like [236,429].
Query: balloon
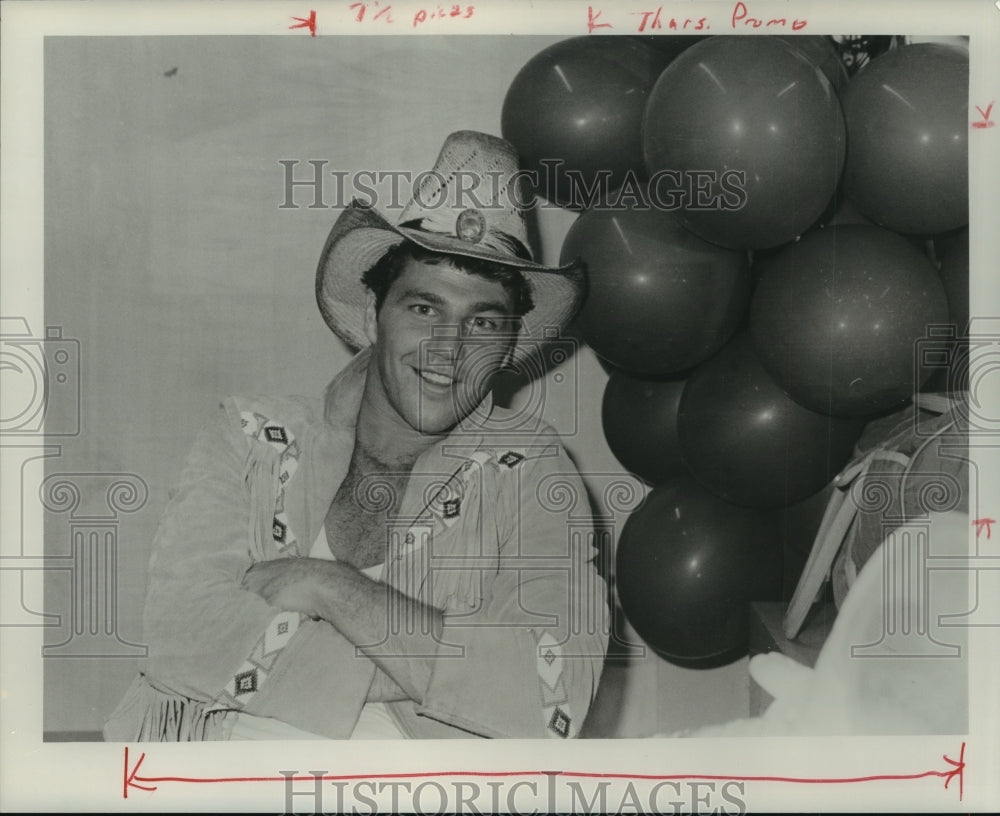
[640,424]
[955,276]
[580,102]
[821,52]
[660,299]
[799,523]
[907,123]
[670,45]
[748,442]
[836,317]
[687,566]
[758,131]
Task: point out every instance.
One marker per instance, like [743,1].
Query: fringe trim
[147,714]
[260,472]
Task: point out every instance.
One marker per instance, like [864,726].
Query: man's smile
[436,377]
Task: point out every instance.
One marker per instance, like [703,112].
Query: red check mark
[986,122]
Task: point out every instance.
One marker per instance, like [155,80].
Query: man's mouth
[436,377]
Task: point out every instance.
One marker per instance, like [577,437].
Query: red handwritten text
[651,20]
[306,22]
[742,15]
[442,13]
[592,18]
[983,524]
[985,122]
[378,12]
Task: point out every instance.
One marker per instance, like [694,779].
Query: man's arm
[529,662]
[210,640]
[359,608]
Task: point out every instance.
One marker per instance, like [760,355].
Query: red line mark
[983,523]
[306,22]
[132,778]
[592,18]
[986,121]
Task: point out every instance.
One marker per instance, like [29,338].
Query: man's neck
[382,439]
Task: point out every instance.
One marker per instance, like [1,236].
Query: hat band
[493,239]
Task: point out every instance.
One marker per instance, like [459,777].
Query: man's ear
[371,318]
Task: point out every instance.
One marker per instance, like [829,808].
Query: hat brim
[361,236]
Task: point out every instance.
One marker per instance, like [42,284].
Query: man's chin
[445,418]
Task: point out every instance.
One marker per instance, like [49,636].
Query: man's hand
[359,608]
[287,583]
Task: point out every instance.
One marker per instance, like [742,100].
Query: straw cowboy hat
[465,206]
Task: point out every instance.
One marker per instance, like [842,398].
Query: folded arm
[361,610]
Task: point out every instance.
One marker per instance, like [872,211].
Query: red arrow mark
[986,121]
[306,22]
[132,775]
[957,769]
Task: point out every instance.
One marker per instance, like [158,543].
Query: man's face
[439,337]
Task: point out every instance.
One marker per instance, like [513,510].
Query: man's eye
[422,309]
[485,323]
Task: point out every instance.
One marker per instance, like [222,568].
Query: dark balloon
[799,523]
[640,424]
[955,276]
[747,441]
[836,318]
[580,103]
[758,127]
[660,299]
[907,119]
[670,45]
[687,567]
[821,52]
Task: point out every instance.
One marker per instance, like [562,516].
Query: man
[391,563]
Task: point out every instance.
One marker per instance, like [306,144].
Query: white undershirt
[375,721]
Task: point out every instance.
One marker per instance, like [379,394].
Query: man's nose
[444,348]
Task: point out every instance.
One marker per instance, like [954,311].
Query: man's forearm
[397,632]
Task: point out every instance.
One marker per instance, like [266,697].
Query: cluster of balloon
[661,299]
[836,317]
[574,113]
[762,128]
[687,565]
[907,123]
[754,215]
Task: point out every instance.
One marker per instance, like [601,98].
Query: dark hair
[390,266]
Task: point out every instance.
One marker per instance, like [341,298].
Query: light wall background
[168,256]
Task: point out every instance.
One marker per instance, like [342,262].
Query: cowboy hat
[483,219]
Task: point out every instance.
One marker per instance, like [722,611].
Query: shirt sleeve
[214,642]
[198,622]
[527,664]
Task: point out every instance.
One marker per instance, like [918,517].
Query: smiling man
[389,562]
